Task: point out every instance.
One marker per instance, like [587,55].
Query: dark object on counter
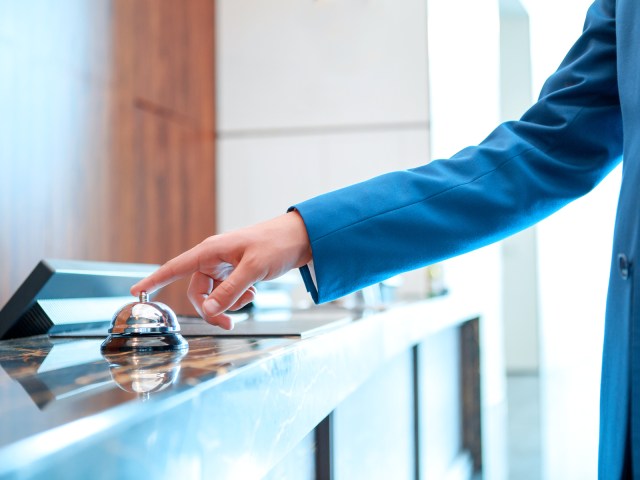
[69,295]
[144,326]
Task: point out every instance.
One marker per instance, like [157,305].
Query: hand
[225,267]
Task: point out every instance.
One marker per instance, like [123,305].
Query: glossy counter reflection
[228,408]
[66,379]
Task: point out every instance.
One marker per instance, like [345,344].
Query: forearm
[525,170]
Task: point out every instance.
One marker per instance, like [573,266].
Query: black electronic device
[67,295]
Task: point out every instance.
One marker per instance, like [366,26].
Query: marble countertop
[64,407]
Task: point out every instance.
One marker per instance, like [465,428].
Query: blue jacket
[587,115]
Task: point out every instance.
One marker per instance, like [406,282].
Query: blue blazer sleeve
[522,172]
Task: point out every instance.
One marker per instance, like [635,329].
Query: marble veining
[90,382]
[229,406]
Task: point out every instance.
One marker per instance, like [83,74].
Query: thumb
[230,290]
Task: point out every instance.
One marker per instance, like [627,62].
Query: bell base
[144,343]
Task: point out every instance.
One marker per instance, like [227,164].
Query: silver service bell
[144,326]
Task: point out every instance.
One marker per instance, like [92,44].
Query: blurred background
[132,129]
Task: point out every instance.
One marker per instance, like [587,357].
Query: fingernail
[211,307]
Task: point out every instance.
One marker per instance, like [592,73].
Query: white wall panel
[304,63]
[260,177]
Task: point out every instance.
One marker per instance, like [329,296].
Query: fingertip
[223,321]
[227,323]
[141,287]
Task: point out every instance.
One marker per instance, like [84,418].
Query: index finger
[184,264]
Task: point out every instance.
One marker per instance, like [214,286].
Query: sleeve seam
[424,199]
[459,185]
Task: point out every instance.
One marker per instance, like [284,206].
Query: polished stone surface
[228,408]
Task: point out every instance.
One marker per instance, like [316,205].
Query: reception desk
[382,394]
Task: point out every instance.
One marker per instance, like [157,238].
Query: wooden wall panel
[107,132]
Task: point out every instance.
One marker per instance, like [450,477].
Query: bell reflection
[144,373]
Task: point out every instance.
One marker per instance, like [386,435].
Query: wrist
[300,238]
